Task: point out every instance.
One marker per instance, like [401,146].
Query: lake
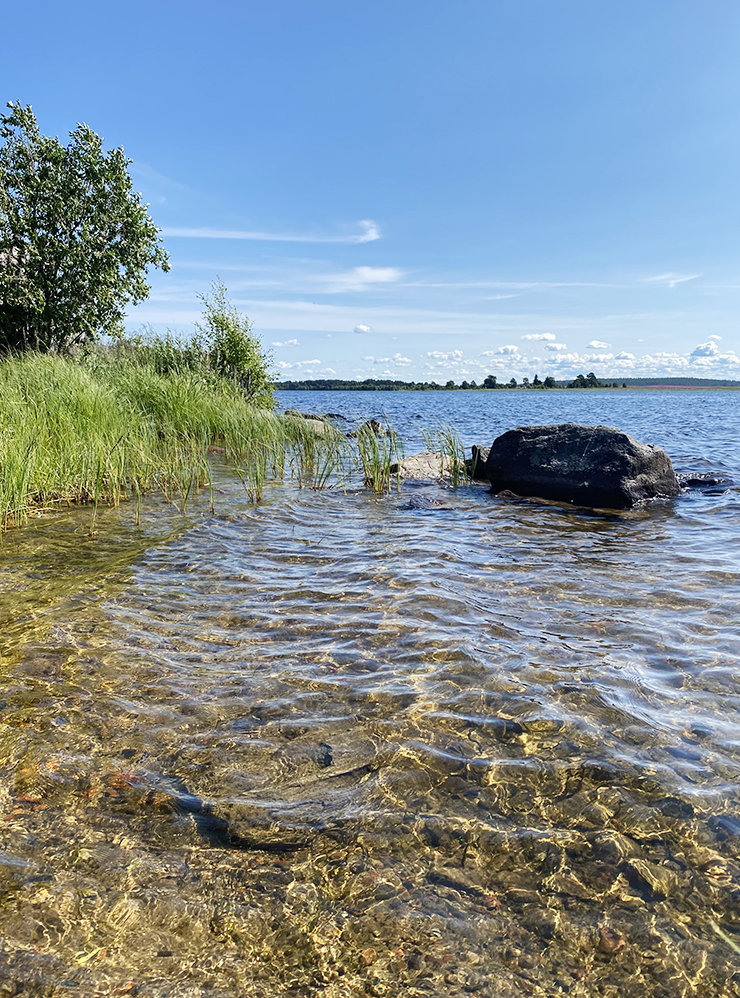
[345,744]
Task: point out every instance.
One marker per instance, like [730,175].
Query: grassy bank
[115,424]
[101,429]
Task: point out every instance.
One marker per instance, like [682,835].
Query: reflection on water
[345,745]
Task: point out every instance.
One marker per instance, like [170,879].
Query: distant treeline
[386,385]
[580,381]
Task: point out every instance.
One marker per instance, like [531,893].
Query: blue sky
[426,190]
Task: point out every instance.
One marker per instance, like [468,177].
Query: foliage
[75,238]
[234,351]
[588,381]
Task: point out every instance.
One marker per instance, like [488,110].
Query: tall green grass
[118,423]
[70,433]
[445,441]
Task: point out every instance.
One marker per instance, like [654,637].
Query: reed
[319,456]
[109,427]
[70,433]
[377,452]
[445,440]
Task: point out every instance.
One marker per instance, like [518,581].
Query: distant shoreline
[625,384]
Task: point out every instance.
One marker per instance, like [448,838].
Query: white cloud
[362,329]
[714,337]
[298,364]
[672,279]
[556,346]
[509,350]
[539,336]
[449,355]
[625,356]
[285,343]
[708,349]
[359,278]
[599,345]
[369,233]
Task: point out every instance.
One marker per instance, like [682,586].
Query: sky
[421,190]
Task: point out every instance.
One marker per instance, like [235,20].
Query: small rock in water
[371,425]
[610,941]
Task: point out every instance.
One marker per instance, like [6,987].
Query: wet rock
[610,941]
[426,502]
[700,481]
[476,464]
[297,414]
[589,465]
[370,426]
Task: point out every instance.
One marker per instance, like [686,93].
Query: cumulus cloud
[599,345]
[285,343]
[708,349]
[362,329]
[625,356]
[298,364]
[714,337]
[509,350]
[556,346]
[397,359]
[450,355]
[539,336]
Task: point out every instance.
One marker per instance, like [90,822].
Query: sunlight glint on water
[344,744]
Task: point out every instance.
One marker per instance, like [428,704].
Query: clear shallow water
[339,744]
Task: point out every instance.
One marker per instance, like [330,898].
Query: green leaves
[234,352]
[75,238]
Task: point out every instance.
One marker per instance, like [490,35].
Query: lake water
[344,744]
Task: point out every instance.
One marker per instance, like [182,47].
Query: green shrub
[233,350]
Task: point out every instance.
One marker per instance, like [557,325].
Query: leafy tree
[512,383]
[550,381]
[75,238]
[592,381]
[234,351]
[536,380]
[489,381]
[450,384]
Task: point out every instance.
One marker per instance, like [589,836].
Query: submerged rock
[588,465]
[371,426]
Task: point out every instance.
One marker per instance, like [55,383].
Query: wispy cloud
[539,336]
[369,232]
[285,343]
[357,279]
[362,329]
[671,279]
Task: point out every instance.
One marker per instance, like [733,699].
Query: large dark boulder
[587,465]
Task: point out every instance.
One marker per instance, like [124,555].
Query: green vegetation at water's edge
[102,429]
[131,417]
